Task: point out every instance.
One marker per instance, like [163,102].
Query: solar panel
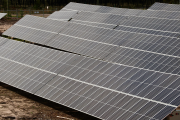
[101,35]
[2,15]
[165,7]
[111,26]
[109,74]
[30,34]
[101,9]
[152,23]
[147,31]
[171,10]
[161,14]
[120,38]
[91,86]
[95,44]
[133,21]
[42,23]
[36,24]
[100,18]
[62,15]
[168,14]
[153,26]
[122,55]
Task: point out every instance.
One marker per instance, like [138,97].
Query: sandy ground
[19,105]
[6,23]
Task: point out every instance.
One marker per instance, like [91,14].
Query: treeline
[42,4]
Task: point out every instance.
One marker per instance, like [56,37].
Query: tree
[37,5]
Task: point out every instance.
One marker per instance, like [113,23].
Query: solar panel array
[154,26]
[101,9]
[102,43]
[62,15]
[91,16]
[165,7]
[2,15]
[112,19]
[163,27]
[99,88]
[40,32]
[167,14]
[111,73]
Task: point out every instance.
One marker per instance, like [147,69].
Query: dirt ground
[19,105]
[6,23]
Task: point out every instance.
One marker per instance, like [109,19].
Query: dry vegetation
[6,23]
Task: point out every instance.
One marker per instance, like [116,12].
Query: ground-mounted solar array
[166,14]
[146,21]
[60,35]
[92,86]
[171,12]
[155,26]
[112,66]
[164,23]
[101,9]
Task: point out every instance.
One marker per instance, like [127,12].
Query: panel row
[29,34]
[147,31]
[158,10]
[160,14]
[78,93]
[23,77]
[133,21]
[80,33]
[101,9]
[152,23]
[159,44]
[99,102]
[94,24]
[35,56]
[165,7]
[42,23]
[147,25]
[130,80]
[146,60]
[126,56]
